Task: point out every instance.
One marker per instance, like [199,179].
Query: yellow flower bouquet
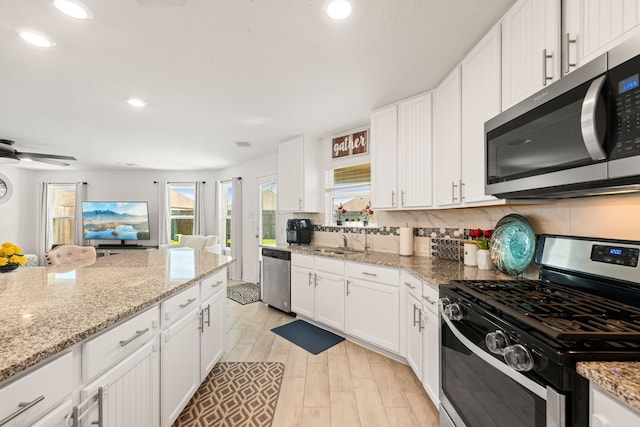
[11,257]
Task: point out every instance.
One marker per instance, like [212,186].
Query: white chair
[203,243]
[70,254]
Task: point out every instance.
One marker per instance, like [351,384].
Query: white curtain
[81,196]
[235,269]
[199,220]
[164,213]
[43,229]
[219,214]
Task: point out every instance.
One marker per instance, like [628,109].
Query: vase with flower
[11,257]
[366,213]
[340,212]
[483,255]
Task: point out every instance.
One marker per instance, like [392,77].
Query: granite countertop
[46,310]
[621,379]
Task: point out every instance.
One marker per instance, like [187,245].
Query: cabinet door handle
[414,315]
[137,335]
[402,198]
[310,278]
[218,283]
[453,191]
[420,327]
[567,48]
[315,280]
[96,399]
[24,407]
[208,310]
[299,203]
[429,300]
[201,320]
[393,198]
[544,67]
[189,301]
[462,184]
[369,274]
[409,285]
[348,288]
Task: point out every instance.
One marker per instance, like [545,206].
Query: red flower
[487,234]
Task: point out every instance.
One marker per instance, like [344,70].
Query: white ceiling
[217,71]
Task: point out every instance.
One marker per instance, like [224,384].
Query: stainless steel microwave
[578,136]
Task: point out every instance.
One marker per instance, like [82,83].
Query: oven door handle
[588,124]
[510,372]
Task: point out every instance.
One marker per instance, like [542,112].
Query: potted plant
[366,213]
[340,212]
[11,257]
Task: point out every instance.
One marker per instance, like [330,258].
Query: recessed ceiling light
[338,9]
[75,9]
[34,37]
[136,102]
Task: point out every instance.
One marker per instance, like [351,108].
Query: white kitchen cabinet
[480,102]
[180,349]
[413,321]
[431,343]
[299,176]
[607,411]
[447,140]
[530,48]
[41,390]
[373,305]
[384,158]
[401,154]
[213,316]
[56,417]
[591,27]
[129,392]
[302,285]
[317,289]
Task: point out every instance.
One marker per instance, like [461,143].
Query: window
[182,203]
[227,194]
[351,187]
[62,206]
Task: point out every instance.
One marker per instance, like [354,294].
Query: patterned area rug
[235,394]
[244,293]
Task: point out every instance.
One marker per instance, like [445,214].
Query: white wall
[18,215]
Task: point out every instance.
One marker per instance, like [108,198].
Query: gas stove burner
[561,325]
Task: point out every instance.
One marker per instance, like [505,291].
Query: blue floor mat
[313,339]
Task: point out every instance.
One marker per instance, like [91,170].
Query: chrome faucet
[366,242]
[345,242]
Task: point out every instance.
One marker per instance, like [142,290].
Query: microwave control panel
[625,96]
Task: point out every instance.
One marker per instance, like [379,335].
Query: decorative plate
[513,244]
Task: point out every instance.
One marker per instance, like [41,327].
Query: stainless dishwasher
[276,278]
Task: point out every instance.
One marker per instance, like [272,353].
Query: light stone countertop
[621,379]
[46,310]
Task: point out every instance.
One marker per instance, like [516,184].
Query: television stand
[111,249]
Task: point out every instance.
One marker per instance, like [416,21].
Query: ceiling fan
[10,154]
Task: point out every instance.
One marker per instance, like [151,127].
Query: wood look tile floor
[347,385]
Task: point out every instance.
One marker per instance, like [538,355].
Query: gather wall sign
[350,145]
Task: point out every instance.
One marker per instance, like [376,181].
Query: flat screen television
[110,220]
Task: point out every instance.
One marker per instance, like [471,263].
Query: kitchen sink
[330,251]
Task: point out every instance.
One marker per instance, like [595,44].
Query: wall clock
[6,189]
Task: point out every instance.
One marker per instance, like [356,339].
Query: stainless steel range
[509,348]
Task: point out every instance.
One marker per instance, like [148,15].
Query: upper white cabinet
[401,144]
[591,27]
[530,48]
[480,102]
[447,140]
[299,178]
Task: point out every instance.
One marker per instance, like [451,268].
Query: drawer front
[42,389]
[412,285]
[179,305]
[386,275]
[430,298]
[210,285]
[305,261]
[116,343]
[335,266]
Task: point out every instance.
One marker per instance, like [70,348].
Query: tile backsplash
[615,216]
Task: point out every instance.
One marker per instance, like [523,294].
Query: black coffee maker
[299,231]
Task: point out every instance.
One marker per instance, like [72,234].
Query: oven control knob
[497,342]
[518,357]
[454,311]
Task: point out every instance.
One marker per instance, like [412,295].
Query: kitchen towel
[406,241]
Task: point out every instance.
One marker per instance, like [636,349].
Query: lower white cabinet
[414,323]
[180,364]
[213,330]
[329,299]
[607,411]
[302,285]
[127,392]
[57,417]
[431,343]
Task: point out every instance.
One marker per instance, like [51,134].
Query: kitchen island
[44,311]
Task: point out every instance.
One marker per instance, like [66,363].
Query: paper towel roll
[406,241]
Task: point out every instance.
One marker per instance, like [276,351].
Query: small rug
[235,394]
[244,293]
[313,339]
